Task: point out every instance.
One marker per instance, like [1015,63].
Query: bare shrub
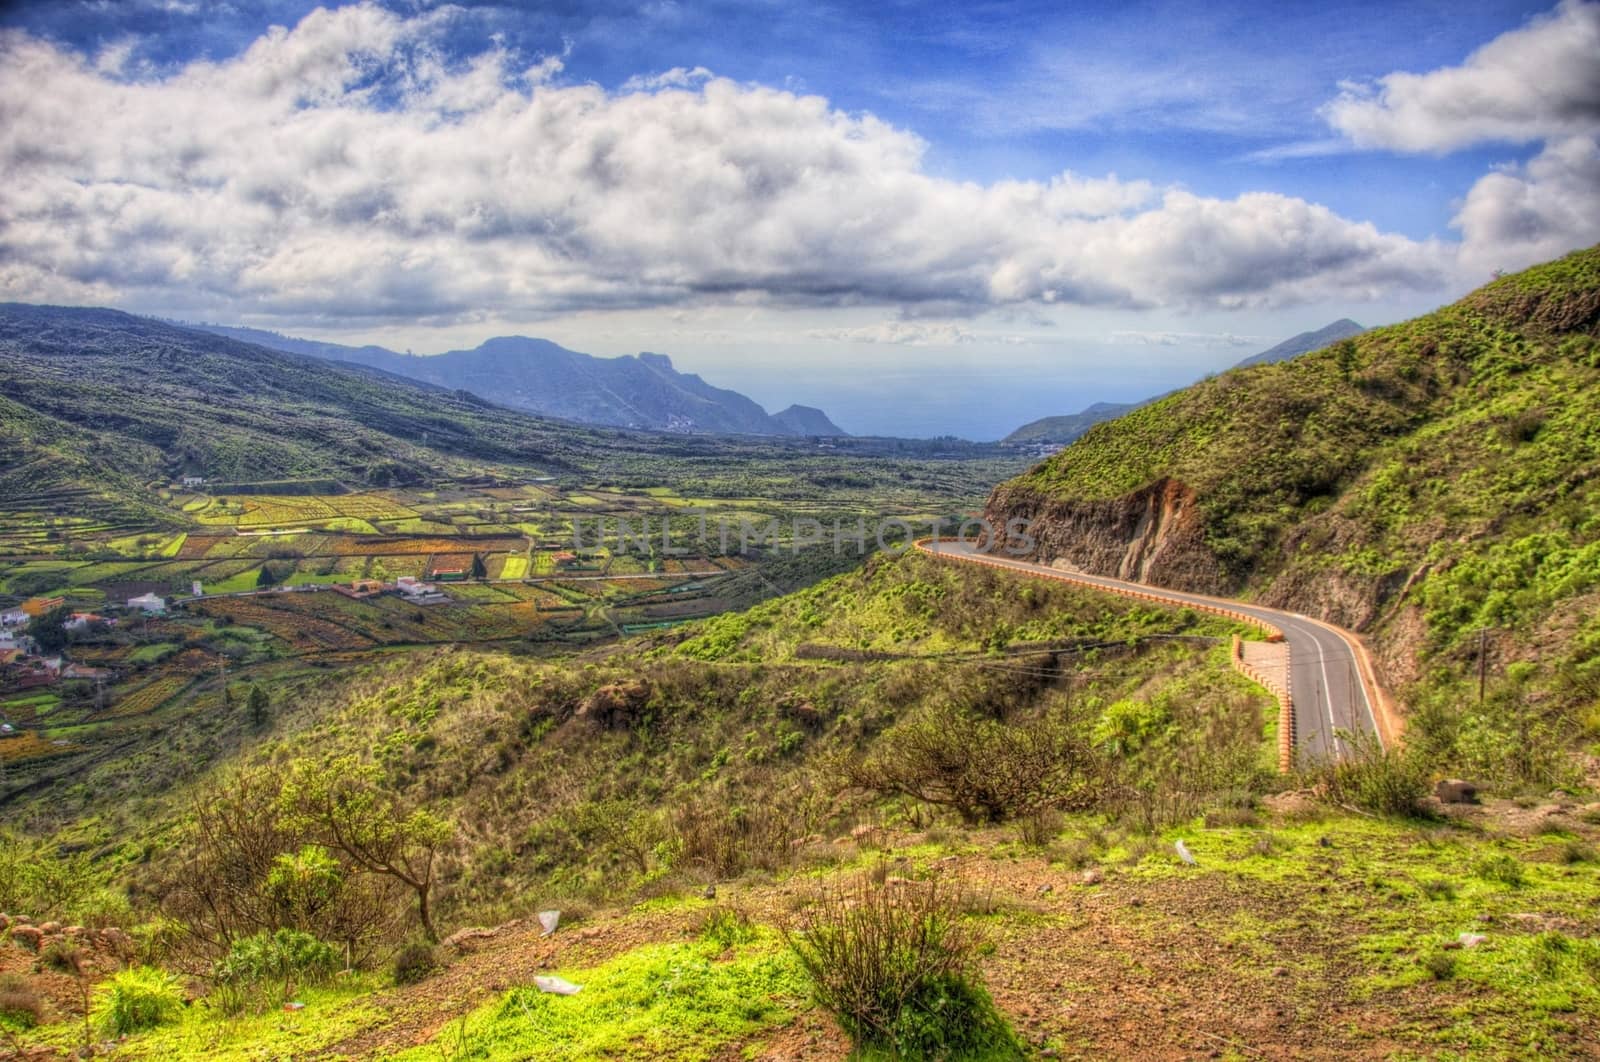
[983,769]
[896,964]
[1373,778]
[726,841]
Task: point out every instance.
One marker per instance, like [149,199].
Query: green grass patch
[663,1001]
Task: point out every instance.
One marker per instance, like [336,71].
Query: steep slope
[542,377]
[1305,343]
[1420,482]
[1065,429]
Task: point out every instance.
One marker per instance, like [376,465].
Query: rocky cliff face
[1154,534]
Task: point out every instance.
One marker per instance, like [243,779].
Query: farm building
[149,604]
[362,588]
[14,617]
[79,621]
[448,575]
[194,481]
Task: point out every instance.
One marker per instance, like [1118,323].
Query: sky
[924,218]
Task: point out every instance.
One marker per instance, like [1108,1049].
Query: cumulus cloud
[1535,83]
[1520,215]
[1539,83]
[346,168]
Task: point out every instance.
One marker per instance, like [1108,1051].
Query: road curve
[1330,676]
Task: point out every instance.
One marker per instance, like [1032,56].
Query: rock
[49,929]
[1092,876]
[1324,842]
[464,940]
[30,937]
[616,706]
[1280,971]
[1470,940]
[548,921]
[588,932]
[1045,889]
[709,892]
[1456,791]
[1183,852]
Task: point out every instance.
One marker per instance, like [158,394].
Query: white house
[194,481]
[149,604]
[13,617]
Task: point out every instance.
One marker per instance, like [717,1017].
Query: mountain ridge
[1065,428]
[642,391]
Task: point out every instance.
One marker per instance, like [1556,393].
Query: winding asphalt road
[1330,683]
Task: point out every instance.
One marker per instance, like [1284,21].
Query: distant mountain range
[538,376]
[1065,429]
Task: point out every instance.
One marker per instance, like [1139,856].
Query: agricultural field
[266,559]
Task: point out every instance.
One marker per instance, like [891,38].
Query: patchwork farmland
[272,589]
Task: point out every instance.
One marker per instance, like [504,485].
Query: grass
[684,1001]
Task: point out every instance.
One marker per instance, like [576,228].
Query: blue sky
[924,218]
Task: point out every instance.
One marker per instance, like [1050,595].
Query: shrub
[1577,852]
[412,963]
[20,1005]
[137,999]
[1438,889]
[273,961]
[1441,965]
[63,957]
[1502,868]
[984,769]
[894,964]
[727,927]
[1387,781]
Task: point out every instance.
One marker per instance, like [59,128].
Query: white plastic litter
[1183,852]
[558,986]
[549,920]
[1471,940]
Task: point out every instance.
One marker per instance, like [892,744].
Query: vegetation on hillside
[1433,483]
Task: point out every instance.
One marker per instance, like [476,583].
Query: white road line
[1327,694]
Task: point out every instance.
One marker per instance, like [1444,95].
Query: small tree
[344,806]
[479,569]
[257,705]
[48,632]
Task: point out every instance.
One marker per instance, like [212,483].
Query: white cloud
[341,169]
[904,333]
[1520,215]
[1535,83]
[1184,339]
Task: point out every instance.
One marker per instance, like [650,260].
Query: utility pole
[1483,660]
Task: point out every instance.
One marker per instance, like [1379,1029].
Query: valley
[411,689]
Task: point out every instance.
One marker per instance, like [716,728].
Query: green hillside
[1420,482]
[1031,751]
[105,405]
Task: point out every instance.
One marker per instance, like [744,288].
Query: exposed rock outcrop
[1155,534]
